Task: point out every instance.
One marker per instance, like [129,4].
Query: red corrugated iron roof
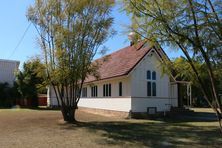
[120,62]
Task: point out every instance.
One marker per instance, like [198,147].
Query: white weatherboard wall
[7,71]
[51,97]
[141,104]
[114,87]
[163,100]
[115,104]
[174,94]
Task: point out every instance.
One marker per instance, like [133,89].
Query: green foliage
[71,32]
[8,95]
[171,21]
[183,71]
[31,80]
[192,26]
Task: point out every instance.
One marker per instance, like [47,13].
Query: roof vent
[132,37]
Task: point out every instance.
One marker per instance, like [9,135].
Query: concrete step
[180,110]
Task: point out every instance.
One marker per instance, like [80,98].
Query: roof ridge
[119,50]
[120,62]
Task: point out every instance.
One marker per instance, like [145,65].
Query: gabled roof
[121,62]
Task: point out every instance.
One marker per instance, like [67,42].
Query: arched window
[151,83]
[148,75]
[153,75]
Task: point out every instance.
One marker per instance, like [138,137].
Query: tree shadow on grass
[192,117]
[156,134]
[31,108]
[45,108]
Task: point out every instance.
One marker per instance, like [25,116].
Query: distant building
[7,71]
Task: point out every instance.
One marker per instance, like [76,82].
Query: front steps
[180,111]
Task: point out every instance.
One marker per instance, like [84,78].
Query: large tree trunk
[68,113]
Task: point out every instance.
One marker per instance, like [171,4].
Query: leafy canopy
[71,32]
[192,26]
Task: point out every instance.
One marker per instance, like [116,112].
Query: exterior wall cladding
[134,90]
[7,71]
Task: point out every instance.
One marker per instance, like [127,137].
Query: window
[120,89]
[62,92]
[84,92]
[78,92]
[94,91]
[148,75]
[148,88]
[107,90]
[153,75]
[154,88]
[104,90]
[151,83]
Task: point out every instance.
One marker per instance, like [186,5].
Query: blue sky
[14,23]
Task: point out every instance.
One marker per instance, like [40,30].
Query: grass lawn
[42,128]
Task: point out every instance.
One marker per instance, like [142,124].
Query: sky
[14,24]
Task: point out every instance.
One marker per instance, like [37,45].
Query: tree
[70,33]
[31,80]
[192,26]
[8,95]
[183,71]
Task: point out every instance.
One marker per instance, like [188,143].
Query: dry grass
[40,128]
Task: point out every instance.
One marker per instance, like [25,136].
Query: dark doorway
[183,98]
